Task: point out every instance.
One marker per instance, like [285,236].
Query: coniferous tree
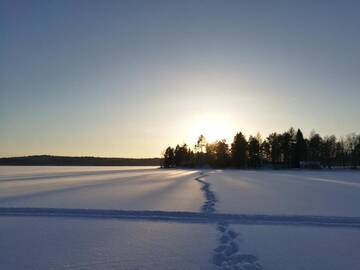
[222,154]
[169,158]
[328,153]
[239,151]
[274,141]
[200,156]
[210,155]
[357,151]
[351,143]
[282,150]
[254,152]
[287,147]
[340,153]
[266,150]
[182,155]
[315,143]
[300,149]
[217,154]
[201,143]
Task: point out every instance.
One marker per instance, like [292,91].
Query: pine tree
[254,152]
[239,151]
[300,149]
[169,158]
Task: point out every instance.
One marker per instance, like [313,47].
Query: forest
[279,150]
[47,160]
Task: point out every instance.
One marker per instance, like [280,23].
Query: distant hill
[47,160]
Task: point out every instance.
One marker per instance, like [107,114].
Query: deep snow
[147,218]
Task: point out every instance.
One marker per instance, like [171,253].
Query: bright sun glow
[213,127]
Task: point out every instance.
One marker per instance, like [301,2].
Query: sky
[128,78]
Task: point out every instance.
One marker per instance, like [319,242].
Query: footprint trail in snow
[227,255]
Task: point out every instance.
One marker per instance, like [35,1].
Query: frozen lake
[64,218]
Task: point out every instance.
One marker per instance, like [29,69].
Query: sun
[213,127]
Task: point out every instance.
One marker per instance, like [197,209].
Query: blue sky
[128,78]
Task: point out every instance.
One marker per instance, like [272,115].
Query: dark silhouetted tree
[299,149]
[182,155]
[201,144]
[284,150]
[217,154]
[315,143]
[254,151]
[274,141]
[352,148]
[239,151]
[340,158]
[357,151]
[169,158]
[266,152]
[222,154]
[287,147]
[328,153]
[200,156]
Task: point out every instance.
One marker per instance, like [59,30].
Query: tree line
[279,150]
[47,160]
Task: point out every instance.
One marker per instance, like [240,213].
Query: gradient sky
[128,78]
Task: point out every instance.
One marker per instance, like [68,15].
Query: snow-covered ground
[330,193]
[104,188]
[62,243]
[150,218]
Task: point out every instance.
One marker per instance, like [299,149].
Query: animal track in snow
[227,255]
[210,198]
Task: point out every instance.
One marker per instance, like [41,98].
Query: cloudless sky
[128,78]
